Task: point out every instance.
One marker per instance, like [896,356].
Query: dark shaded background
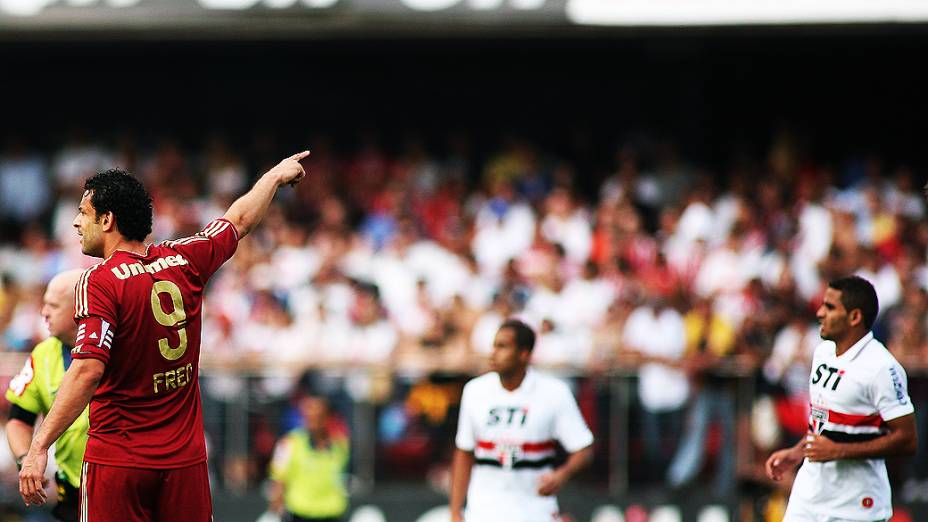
[716,93]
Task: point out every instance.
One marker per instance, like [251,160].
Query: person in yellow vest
[32,391]
[308,467]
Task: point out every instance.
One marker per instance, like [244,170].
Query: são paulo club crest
[818,417]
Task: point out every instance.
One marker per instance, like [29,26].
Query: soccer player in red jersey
[137,351]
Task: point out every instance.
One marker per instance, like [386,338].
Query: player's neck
[121,243]
[513,380]
[319,437]
[849,340]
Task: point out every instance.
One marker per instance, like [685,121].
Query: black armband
[20,414]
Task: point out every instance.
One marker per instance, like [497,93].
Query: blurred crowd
[408,257]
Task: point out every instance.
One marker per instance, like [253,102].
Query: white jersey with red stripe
[513,435]
[852,396]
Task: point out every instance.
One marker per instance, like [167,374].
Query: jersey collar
[852,352]
[134,254]
[527,382]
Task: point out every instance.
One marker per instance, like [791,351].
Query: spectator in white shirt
[568,225]
[654,333]
[371,338]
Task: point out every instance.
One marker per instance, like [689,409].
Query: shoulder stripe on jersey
[78,294]
[234,230]
[209,226]
[81,294]
[81,307]
[208,229]
[212,228]
[217,228]
[186,241]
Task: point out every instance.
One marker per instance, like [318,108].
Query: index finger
[773,468]
[300,156]
[25,489]
[37,490]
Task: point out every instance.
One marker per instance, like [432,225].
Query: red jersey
[141,316]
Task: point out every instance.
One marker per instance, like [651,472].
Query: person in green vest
[32,391]
[308,467]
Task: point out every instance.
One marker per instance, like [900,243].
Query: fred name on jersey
[172,379]
[126,270]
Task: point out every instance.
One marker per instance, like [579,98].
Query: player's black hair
[122,194]
[368,288]
[857,292]
[525,336]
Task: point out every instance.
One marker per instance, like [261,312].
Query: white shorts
[493,515]
[797,512]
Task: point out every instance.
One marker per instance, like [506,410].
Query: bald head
[58,305]
[65,281]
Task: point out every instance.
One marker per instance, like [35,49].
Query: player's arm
[551,483]
[247,211]
[465,441]
[276,496]
[783,460]
[575,436]
[19,434]
[461,465]
[900,439]
[77,388]
[25,406]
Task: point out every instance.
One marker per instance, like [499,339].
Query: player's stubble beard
[91,244]
[832,332]
[510,368]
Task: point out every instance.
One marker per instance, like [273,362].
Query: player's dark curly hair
[525,336]
[119,192]
[857,292]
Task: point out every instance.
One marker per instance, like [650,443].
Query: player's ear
[855,317]
[107,221]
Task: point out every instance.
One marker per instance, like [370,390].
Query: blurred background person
[308,470]
[654,337]
[32,392]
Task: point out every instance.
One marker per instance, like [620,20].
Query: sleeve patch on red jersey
[214,228]
[81,294]
[93,332]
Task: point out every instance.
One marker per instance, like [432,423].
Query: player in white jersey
[860,414]
[509,423]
